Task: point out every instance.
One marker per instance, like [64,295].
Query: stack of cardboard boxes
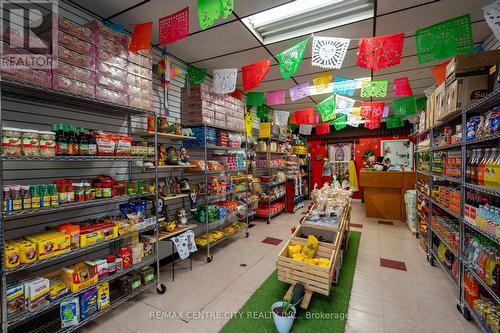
[469,78]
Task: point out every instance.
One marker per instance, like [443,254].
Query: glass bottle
[72,141]
[475,167]
[92,143]
[61,140]
[83,145]
[470,162]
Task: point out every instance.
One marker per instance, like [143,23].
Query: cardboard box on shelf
[439,103]
[464,91]
[478,62]
[494,77]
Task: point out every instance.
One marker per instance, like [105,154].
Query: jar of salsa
[98,190]
[88,191]
[35,196]
[107,189]
[79,191]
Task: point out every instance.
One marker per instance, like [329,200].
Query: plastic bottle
[470,159]
[475,167]
[495,172]
[490,165]
[496,274]
[7,199]
[482,166]
[490,267]
[481,263]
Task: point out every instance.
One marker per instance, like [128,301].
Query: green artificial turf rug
[325,314]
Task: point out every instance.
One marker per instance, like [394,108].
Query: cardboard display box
[439,103]
[464,91]
[478,62]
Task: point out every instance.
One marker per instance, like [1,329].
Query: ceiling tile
[247,8]
[208,43]
[386,6]
[106,8]
[238,60]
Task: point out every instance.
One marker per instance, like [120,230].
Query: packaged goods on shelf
[69,56]
[449,136]
[74,43]
[73,72]
[449,197]
[88,303]
[15,297]
[483,258]
[36,292]
[483,167]
[201,134]
[74,29]
[73,86]
[203,106]
[70,313]
[483,212]
[447,229]
[483,125]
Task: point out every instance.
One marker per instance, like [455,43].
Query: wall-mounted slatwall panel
[491,43]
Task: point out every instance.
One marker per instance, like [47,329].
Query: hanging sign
[402,87]
[196,75]
[174,27]
[492,17]
[209,11]
[281,118]
[224,80]
[405,106]
[255,98]
[300,91]
[343,104]
[326,108]
[290,59]
[374,88]
[253,74]
[380,52]
[305,129]
[321,82]
[141,38]
[322,129]
[445,39]
[328,52]
[275,97]
[340,122]
[304,116]
[248,121]
[344,86]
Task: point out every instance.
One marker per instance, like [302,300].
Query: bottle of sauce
[92,143]
[83,145]
[61,140]
[72,141]
[54,196]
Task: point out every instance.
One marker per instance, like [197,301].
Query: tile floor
[383,299]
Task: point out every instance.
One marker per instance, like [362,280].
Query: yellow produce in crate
[311,246]
[294,249]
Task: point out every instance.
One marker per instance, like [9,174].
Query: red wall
[318,149]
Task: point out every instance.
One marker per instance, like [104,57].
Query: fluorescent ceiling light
[302,17]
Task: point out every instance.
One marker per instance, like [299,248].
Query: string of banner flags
[439,41]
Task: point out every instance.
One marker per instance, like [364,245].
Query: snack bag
[69,312]
[311,246]
[298,256]
[294,249]
[103,296]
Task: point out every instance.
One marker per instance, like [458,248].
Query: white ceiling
[229,43]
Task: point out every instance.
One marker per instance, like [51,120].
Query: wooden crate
[314,278]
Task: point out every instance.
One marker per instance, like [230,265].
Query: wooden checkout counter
[383,193]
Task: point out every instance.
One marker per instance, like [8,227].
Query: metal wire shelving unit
[270,172]
[207,151]
[47,316]
[466,226]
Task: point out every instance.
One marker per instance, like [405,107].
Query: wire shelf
[447,178]
[75,252]
[221,239]
[450,146]
[114,304]
[434,202]
[484,139]
[448,246]
[482,232]
[449,118]
[18,318]
[42,94]
[169,136]
[81,158]
[476,318]
[483,189]
[490,291]
[77,205]
[446,272]
[216,127]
